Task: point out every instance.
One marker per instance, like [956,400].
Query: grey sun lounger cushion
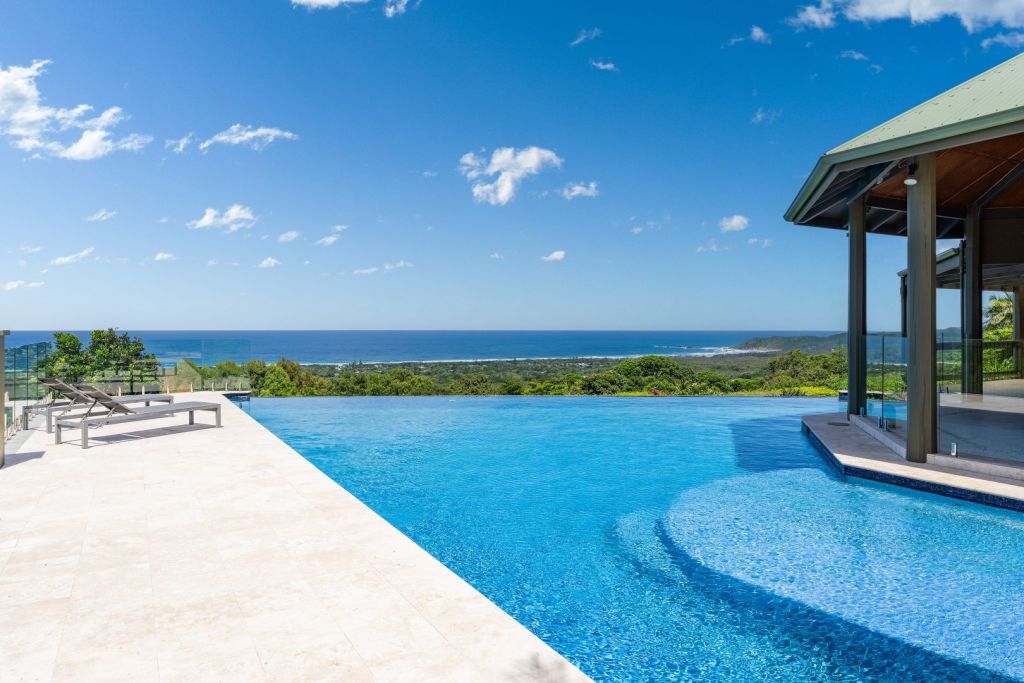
[74,400]
[117,412]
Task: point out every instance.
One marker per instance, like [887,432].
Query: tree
[256,370]
[124,356]
[68,361]
[276,382]
[998,325]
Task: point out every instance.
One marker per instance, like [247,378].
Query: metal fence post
[3,396]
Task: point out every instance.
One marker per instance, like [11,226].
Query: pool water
[687,539]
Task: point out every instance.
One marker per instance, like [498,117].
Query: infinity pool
[681,539]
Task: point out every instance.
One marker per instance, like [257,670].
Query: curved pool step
[922,580]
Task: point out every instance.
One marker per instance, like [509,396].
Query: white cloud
[510,166]
[712,247]
[164,256]
[392,8]
[20,284]
[974,15]
[497,256]
[397,265]
[429,174]
[755,242]
[734,223]
[326,4]
[31,249]
[235,217]
[1013,40]
[288,236]
[759,35]
[637,230]
[269,262]
[49,131]
[756,35]
[573,190]
[854,55]
[333,237]
[178,146]
[72,258]
[763,115]
[603,66]
[211,263]
[101,215]
[820,16]
[557,255]
[254,138]
[364,271]
[584,35]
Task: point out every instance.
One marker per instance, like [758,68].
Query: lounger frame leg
[56,434]
[49,421]
[218,416]
[191,417]
[85,434]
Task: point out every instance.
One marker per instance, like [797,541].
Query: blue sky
[451,165]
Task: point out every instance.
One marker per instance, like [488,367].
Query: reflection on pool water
[680,539]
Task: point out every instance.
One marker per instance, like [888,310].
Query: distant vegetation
[806,343]
[791,374]
[119,358]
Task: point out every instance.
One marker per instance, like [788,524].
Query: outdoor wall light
[910,180]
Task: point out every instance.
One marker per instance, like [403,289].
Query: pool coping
[857,453]
[170,552]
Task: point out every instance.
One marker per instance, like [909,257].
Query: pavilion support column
[922,426]
[856,343]
[972,301]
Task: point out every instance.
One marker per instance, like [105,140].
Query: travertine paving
[177,553]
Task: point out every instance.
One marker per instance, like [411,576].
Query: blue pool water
[681,539]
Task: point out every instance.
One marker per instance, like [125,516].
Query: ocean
[323,346]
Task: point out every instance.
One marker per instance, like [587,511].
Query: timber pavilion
[952,169]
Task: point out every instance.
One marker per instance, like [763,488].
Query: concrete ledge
[857,453]
[184,553]
[979,465]
[887,438]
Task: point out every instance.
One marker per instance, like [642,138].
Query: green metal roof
[997,90]
[990,100]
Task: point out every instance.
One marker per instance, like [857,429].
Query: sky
[432,164]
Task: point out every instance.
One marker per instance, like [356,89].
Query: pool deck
[855,451]
[175,553]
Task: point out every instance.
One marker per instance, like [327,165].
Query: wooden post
[3,396]
[856,327]
[972,301]
[922,428]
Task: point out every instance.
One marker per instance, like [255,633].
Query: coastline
[718,353]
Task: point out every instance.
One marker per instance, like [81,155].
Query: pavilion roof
[977,131]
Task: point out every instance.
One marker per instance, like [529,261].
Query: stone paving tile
[175,553]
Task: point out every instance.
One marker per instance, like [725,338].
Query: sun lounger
[73,400]
[116,413]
